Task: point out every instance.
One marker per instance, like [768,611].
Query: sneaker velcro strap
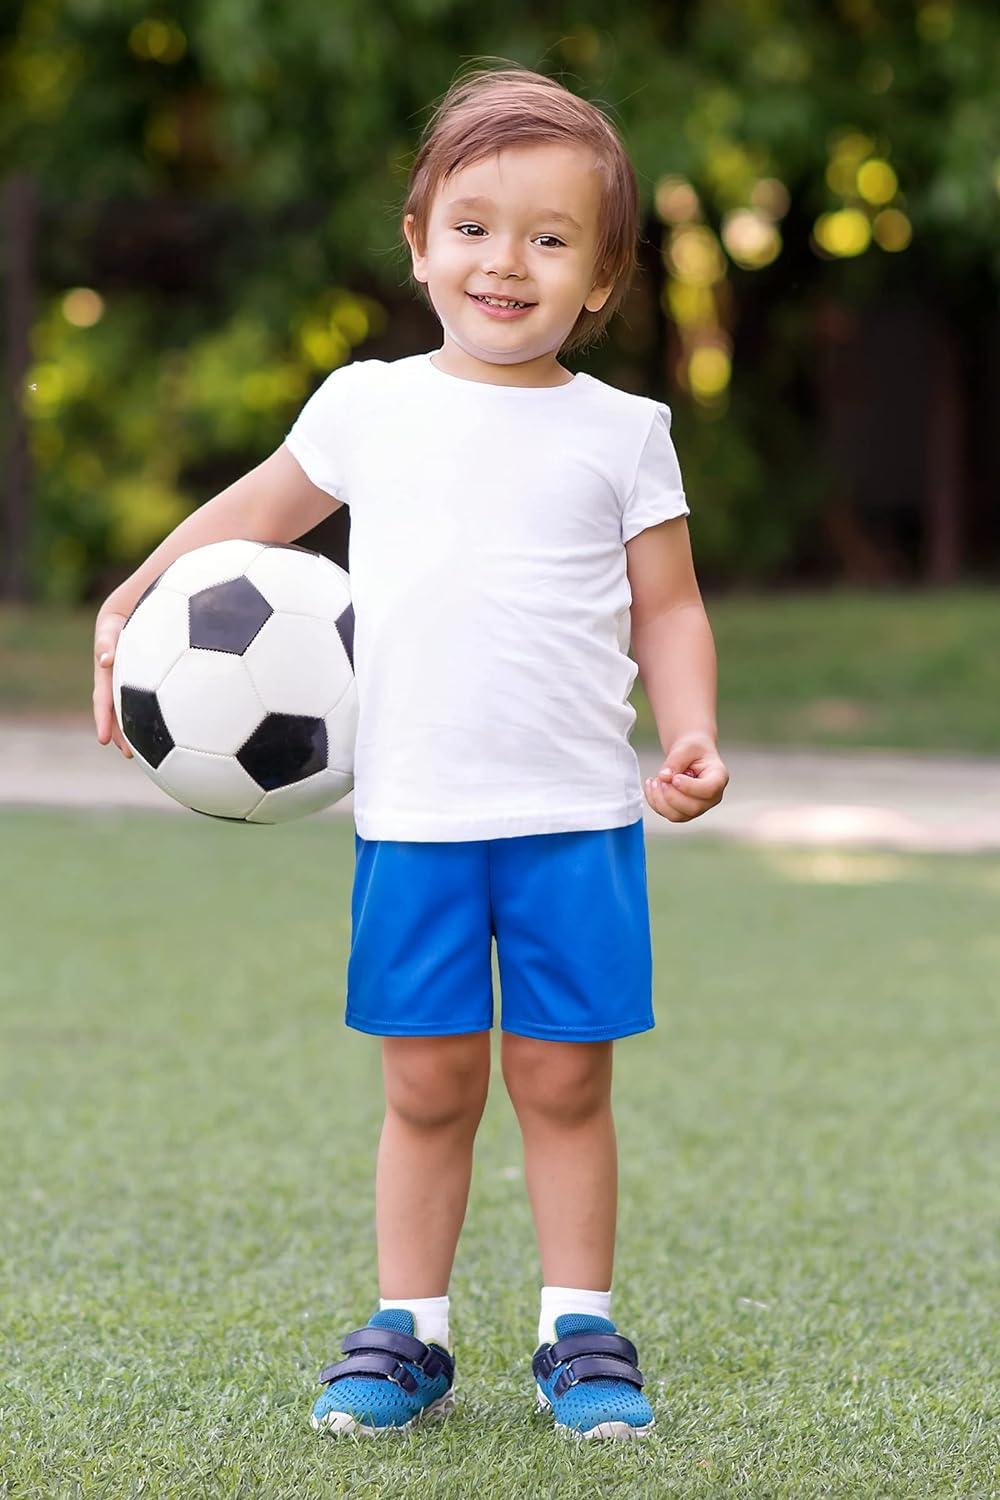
[382,1365]
[593,1343]
[596,1367]
[433,1362]
[611,1346]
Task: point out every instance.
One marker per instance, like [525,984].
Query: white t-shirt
[491,599]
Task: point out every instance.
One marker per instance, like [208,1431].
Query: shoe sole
[618,1431]
[343,1424]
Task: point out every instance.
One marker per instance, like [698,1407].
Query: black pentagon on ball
[144,595]
[284,748]
[144,725]
[345,629]
[294,547]
[227,616]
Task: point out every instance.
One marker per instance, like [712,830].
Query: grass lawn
[808,1253]
[903,669]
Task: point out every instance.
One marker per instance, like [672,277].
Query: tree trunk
[19,216]
[943,495]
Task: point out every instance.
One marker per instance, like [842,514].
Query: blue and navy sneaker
[591,1381]
[388,1382]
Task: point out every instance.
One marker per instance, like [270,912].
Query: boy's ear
[419,271]
[598,295]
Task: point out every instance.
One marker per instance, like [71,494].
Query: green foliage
[746,523]
[308,115]
[123,419]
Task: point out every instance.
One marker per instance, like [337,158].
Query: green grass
[905,670]
[902,669]
[807,1255]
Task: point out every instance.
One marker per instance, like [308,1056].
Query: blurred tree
[220,185]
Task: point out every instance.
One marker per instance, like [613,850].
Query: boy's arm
[673,646]
[275,502]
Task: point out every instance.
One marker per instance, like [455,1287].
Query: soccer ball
[233,681]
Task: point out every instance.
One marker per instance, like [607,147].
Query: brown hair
[512,106]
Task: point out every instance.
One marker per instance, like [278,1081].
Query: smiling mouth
[494,302]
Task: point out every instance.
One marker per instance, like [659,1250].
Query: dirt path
[847,799]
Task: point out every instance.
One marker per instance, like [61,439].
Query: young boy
[515,528]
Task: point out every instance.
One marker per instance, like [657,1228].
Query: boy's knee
[566,1081]
[432,1082]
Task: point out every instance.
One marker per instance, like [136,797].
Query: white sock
[569,1299]
[430,1317]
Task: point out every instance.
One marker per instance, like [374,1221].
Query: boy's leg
[419,977]
[585,1371]
[435,1090]
[571,918]
[561,1092]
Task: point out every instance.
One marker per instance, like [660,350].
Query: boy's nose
[504,262]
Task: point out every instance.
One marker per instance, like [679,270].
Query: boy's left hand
[691,780]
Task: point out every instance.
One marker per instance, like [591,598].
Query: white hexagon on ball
[315,586]
[214,563]
[342,732]
[214,784]
[145,655]
[301,797]
[297,664]
[209,702]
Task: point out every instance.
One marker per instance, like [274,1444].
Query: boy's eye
[460,227]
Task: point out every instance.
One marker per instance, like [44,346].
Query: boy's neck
[539,373]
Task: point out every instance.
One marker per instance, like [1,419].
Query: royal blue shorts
[569,913]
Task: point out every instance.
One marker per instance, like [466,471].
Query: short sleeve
[658,491]
[320,437]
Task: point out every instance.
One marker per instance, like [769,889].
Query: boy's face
[513,245]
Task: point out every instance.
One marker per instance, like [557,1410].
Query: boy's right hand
[106,633]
